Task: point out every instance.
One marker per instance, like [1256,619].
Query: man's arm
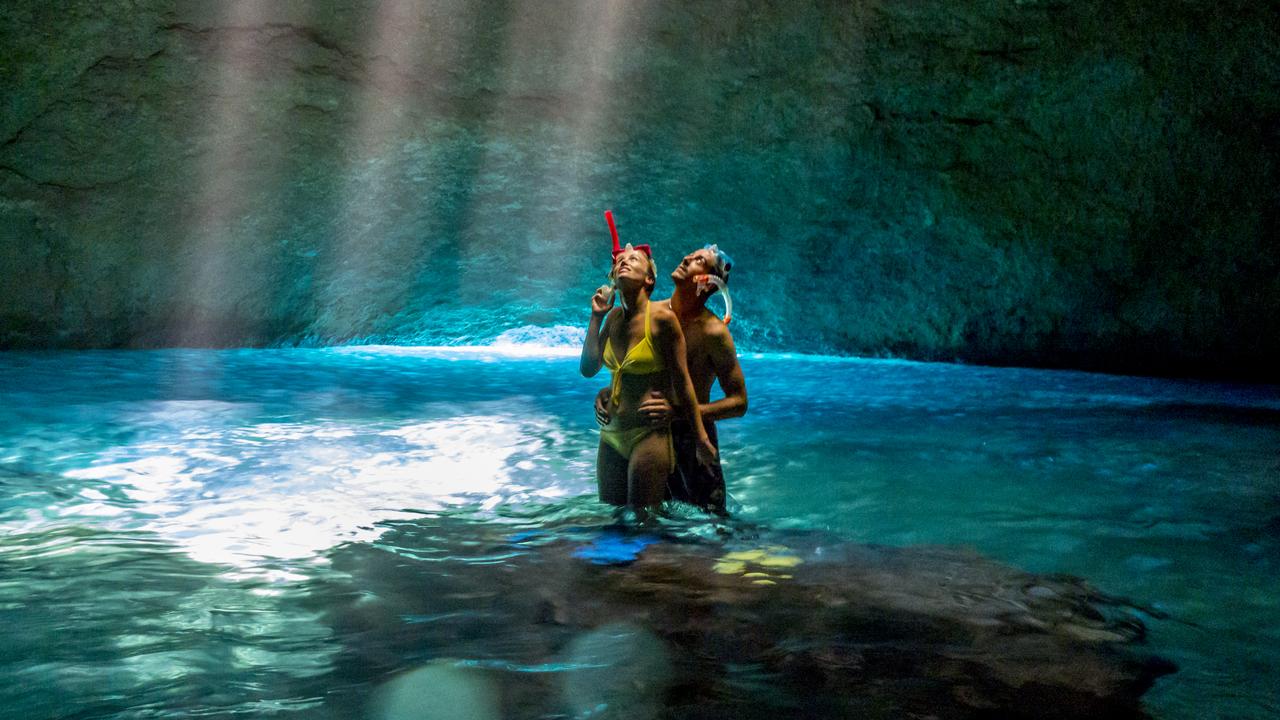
[602,407]
[724,360]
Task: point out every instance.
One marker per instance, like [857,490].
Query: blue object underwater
[614,547]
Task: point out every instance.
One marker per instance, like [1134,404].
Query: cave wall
[1089,184]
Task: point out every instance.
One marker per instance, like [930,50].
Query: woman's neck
[633,300]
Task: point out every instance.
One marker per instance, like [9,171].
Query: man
[711,356]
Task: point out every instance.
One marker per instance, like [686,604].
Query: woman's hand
[602,301]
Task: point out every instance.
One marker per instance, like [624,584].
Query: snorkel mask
[711,283]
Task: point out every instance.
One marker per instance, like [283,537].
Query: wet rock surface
[798,625]
[1080,184]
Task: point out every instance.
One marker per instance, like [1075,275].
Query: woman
[642,344]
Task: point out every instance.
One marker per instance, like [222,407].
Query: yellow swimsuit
[641,359]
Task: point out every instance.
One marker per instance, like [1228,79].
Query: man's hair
[722,262]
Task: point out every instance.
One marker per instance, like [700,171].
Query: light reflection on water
[235,495]
[170,518]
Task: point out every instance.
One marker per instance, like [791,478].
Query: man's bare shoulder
[715,329]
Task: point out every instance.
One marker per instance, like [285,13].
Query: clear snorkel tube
[711,283]
[705,281]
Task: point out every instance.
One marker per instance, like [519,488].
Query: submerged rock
[617,670]
[796,625]
[438,691]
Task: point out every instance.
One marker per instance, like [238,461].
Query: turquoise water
[178,526]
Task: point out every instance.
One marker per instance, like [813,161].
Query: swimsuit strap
[609,353]
[616,383]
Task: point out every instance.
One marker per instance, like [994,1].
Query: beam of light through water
[584,48]
[394,81]
[229,166]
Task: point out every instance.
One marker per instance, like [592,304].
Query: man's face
[698,262]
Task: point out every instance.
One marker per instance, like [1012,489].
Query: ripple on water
[183,530]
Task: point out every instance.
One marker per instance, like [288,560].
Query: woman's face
[631,265]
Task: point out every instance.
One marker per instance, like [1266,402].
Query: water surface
[175,523]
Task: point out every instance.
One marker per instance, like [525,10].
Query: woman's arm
[670,342]
[592,347]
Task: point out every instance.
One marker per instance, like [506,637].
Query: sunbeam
[369,250]
[230,177]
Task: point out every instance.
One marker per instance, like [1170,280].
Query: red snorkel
[613,230]
[617,246]
[618,250]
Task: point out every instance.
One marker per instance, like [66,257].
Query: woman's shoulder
[664,322]
[611,317]
[660,312]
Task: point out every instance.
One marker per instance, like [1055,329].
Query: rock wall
[1089,184]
